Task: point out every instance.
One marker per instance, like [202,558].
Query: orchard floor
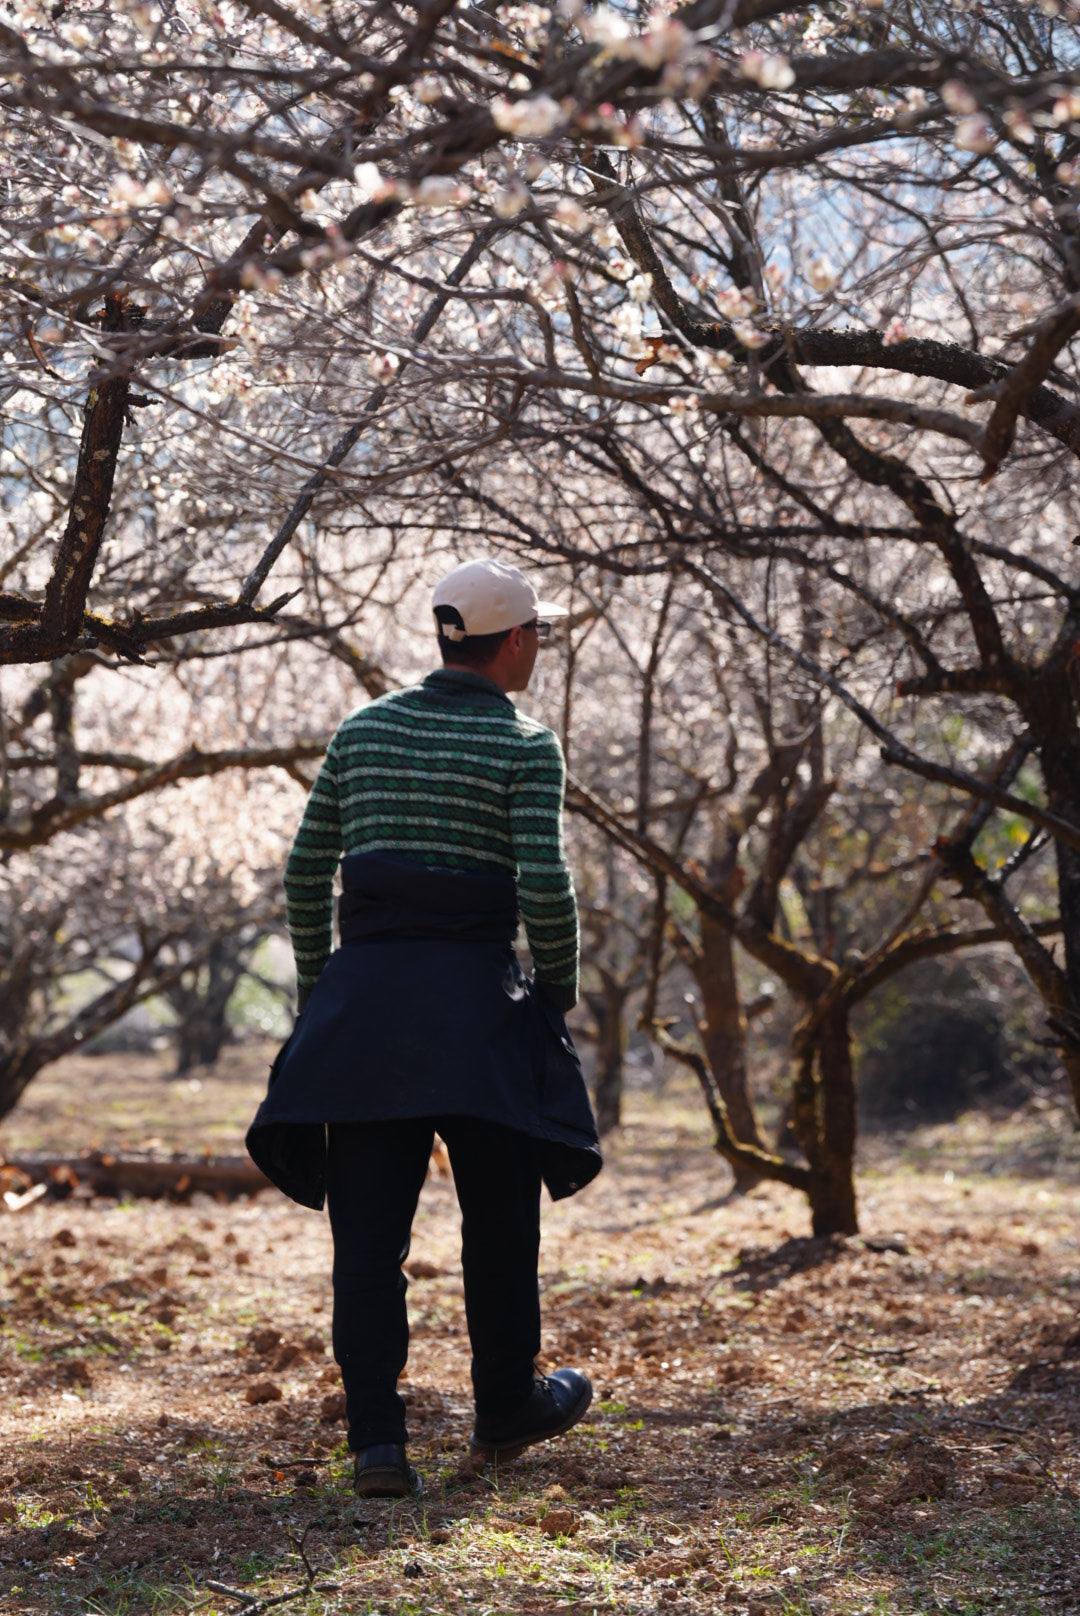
[780,1425]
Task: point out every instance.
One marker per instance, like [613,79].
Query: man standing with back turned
[447,804]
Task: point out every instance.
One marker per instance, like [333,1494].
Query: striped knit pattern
[450,774]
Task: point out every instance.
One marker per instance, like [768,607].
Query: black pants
[375,1172]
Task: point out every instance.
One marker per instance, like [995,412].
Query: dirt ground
[889,1423]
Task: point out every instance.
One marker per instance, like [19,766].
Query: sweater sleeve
[545,890]
[309,875]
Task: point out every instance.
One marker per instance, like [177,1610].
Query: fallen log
[143,1175]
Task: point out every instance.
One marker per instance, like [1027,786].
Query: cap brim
[548,611]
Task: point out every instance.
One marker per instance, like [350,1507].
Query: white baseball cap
[488,597]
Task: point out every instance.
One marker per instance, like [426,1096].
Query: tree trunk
[200,1035]
[724,1037]
[202,1007]
[824,1120]
[1060,764]
[607,1010]
[23,1055]
[18,1068]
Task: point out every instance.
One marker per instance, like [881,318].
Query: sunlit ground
[780,1425]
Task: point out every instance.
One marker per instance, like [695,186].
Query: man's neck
[490,674]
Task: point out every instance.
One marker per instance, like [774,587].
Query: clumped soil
[889,1423]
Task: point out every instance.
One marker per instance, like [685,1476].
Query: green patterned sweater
[448,773]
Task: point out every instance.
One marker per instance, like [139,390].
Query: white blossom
[821,274]
[554,278]
[129,153]
[1020,125]
[958,98]
[629,322]
[717,359]
[639,289]
[383,366]
[529,119]
[770,71]
[370,185]
[147,19]
[257,278]
[427,90]
[664,40]
[439,191]
[629,134]
[749,335]
[125,191]
[974,134]
[570,213]
[510,199]
[317,257]
[735,304]
[606,27]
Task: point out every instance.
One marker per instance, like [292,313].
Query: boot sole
[387,1484]
[503,1451]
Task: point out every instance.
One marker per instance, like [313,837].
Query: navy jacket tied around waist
[424,1011]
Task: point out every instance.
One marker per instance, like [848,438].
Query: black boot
[556,1402]
[383,1471]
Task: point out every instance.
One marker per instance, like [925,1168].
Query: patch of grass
[95,1503]
[219,1465]
[253,1566]
[133,1594]
[34,1512]
[166,1507]
[27,1350]
[990,1555]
